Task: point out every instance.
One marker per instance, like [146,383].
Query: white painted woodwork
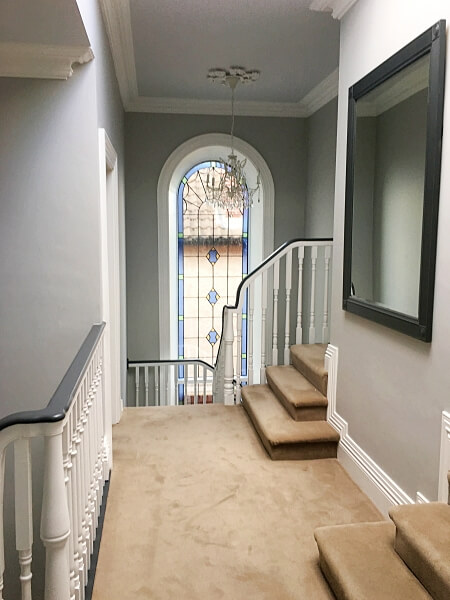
[238,356]
[146,385]
[261,288]
[55,521]
[41,61]
[326,275]
[444,462]
[312,309]
[251,310]
[276,288]
[228,385]
[110,278]
[287,325]
[24,513]
[262,377]
[299,325]
[197,381]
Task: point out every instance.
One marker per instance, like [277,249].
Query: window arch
[191,152]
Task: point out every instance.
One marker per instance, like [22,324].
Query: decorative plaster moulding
[117,18]
[41,61]
[338,8]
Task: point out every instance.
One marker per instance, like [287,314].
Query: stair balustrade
[75,468]
[171,382]
[283,301]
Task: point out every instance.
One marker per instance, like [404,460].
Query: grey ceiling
[177,41]
[52,22]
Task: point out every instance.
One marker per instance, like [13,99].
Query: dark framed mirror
[394,139]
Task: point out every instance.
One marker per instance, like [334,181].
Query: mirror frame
[431,41]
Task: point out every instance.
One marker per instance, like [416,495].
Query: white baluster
[276,286]
[157,398]
[299,326]
[55,523]
[136,381]
[263,327]
[288,306]
[238,355]
[78,473]
[24,513]
[167,379]
[195,367]
[325,328]
[251,310]
[205,372]
[146,384]
[228,387]
[75,527]
[312,311]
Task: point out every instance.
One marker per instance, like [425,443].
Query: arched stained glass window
[212,260]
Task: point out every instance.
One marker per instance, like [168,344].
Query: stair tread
[423,542]
[309,359]
[277,425]
[294,386]
[359,561]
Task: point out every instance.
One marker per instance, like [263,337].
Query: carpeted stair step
[422,540]
[283,437]
[360,563]
[298,396]
[309,360]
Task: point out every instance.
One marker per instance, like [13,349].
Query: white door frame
[110,274]
[196,150]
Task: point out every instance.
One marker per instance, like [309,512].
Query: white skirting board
[444,465]
[375,483]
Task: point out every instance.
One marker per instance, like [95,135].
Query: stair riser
[305,414]
[320,383]
[304,451]
[427,574]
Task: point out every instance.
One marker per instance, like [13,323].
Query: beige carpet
[197,511]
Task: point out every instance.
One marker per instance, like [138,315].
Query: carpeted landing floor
[197,511]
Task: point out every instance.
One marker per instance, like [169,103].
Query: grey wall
[394,398]
[149,140]
[321,162]
[110,116]
[49,240]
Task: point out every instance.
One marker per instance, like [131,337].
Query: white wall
[392,388]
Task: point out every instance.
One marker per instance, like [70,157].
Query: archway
[196,150]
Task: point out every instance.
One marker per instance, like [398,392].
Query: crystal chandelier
[226,184]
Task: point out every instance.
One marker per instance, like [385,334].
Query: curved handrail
[62,399]
[168,361]
[278,253]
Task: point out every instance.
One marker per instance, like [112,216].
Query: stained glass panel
[212,260]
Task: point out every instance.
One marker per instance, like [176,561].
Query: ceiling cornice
[117,18]
[41,61]
[216,107]
[338,8]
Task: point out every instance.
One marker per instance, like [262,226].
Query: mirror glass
[388,194]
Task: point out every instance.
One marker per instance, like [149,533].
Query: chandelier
[226,184]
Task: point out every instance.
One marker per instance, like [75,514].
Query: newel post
[55,522]
[228,387]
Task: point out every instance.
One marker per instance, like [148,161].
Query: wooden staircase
[405,560]
[289,412]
